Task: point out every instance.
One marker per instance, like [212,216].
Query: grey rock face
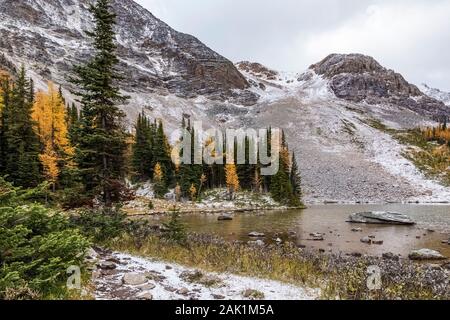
[358,78]
[49,37]
[380,217]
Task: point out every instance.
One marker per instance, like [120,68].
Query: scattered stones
[380,217]
[134,279]
[255,234]
[356,254]
[258,243]
[390,256]
[155,276]
[426,254]
[113,260]
[253,294]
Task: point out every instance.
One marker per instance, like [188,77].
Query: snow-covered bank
[126,277]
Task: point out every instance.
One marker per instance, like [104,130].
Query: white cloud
[410,36]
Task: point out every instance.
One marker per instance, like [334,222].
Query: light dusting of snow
[231,286]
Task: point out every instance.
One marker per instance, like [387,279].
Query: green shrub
[100,224]
[174,230]
[36,248]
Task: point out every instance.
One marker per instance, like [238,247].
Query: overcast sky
[409,36]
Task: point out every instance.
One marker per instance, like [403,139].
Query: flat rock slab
[134,279]
[426,254]
[381,217]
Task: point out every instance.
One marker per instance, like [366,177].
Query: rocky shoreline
[119,276]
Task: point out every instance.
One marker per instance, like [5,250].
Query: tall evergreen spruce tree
[4,102]
[161,153]
[21,154]
[295,178]
[142,158]
[101,145]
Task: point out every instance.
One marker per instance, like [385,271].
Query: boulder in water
[381,217]
[426,254]
[225,217]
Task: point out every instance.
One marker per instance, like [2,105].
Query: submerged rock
[256,235]
[381,217]
[225,217]
[316,236]
[426,254]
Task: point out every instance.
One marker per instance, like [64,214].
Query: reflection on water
[331,221]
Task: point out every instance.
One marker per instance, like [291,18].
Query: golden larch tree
[232,179]
[49,113]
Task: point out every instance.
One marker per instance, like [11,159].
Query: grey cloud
[410,36]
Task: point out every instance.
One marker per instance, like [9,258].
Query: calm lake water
[331,220]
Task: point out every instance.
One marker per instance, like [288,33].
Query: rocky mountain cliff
[358,78]
[49,37]
[326,111]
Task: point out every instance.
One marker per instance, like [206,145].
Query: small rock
[366,240]
[378,242]
[426,254]
[256,235]
[107,265]
[113,260]
[372,237]
[147,287]
[316,236]
[218,296]
[252,294]
[183,291]
[134,279]
[169,268]
[357,230]
[258,243]
[434,266]
[145,296]
[278,240]
[225,218]
[356,254]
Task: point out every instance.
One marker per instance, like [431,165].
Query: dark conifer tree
[101,145]
[295,178]
[142,158]
[22,163]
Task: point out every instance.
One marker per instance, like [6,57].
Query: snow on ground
[171,285]
[388,153]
